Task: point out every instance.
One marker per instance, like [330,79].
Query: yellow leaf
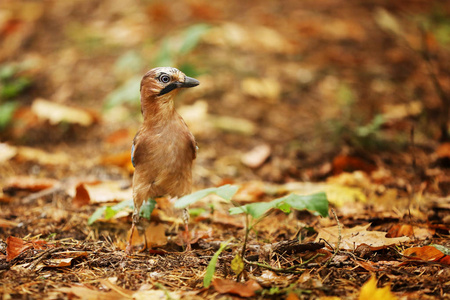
[369,291]
[237,264]
[56,113]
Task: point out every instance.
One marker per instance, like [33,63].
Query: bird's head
[163,82]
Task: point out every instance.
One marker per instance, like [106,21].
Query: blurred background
[290,90]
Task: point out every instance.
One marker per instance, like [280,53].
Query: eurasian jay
[163,149]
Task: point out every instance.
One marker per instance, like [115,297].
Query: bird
[163,149]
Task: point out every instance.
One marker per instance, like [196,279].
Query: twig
[42,256]
[336,250]
[55,189]
[284,270]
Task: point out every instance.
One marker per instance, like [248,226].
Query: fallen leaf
[5,198]
[369,291]
[42,157]
[261,88]
[155,236]
[32,184]
[426,253]
[119,137]
[226,219]
[400,230]
[256,38]
[226,286]
[346,163]
[292,296]
[402,110]
[410,231]
[122,160]
[57,113]
[256,157]
[351,238]
[85,293]
[7,152]
[377,266]
[16,246]
[251,191]
[7,223]
[232,124]
[101,192]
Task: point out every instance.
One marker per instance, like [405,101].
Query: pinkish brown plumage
[163,149]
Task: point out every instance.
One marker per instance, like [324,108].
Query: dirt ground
[351,98]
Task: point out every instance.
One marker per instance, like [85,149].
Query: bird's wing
[193,144]
[133,150]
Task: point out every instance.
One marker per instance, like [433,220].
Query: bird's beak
[189,82]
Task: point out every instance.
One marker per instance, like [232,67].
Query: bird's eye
[164,78]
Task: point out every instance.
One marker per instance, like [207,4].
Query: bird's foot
[187,238]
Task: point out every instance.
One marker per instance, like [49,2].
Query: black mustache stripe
[168,89]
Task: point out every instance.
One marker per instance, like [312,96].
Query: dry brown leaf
[42,157]
[155,236]
[256,157]
[16,246]
[351,238]
[264,88]
[31,184]
[85,293]
[226,286]
[118,137]
[226,219]
[443,151]
[56,113]
[5,198]
[425,253]
[346,163]
[377,266]
[256,38]
[410,231]
[7,152]
[232,124]
[100,192]
[251,191]
[122,160]
[7,223]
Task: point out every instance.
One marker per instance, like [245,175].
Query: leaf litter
[391,206]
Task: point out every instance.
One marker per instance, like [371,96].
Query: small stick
[338,241]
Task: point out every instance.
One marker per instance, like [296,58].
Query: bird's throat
[158,110]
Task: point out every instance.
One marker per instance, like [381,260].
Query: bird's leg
[129,248]
[187,237]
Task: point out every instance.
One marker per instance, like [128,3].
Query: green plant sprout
[254,213]
[11,86]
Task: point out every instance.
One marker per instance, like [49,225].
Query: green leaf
[195,212]
[96,215]
[192,36]
[212,264]
[226,192]
[110,211]
[147,208]
[441,248]
[316,203]
[6,113]
[164,58]
[126,93]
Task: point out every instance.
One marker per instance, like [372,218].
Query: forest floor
[346,98]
